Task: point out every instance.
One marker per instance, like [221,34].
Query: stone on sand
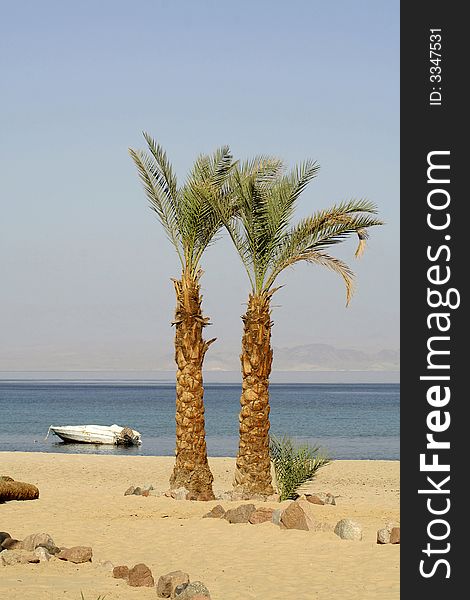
[383,536]
[3,536]
[217,512]
[33,541]
[395,535]
[261,515]
[314,499]
[13,557]
[194,591]
[168,583]
[121,572]
[140,576]
[296,516]
[76,554]
[11,544]
[241,514]
[42,554]
[347,529]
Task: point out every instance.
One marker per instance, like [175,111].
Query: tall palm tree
[191,223]
[268,243]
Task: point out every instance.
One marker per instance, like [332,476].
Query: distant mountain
[314,357]
[309,357]
[323,357]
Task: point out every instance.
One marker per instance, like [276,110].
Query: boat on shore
[97,434]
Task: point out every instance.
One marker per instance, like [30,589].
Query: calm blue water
[355,421]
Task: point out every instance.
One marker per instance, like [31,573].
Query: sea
[346,421]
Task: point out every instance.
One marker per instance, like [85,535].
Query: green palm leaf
[294,466]
[187,213]
[261,230]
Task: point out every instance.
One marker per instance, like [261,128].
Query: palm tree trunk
[191,468]
[253,471]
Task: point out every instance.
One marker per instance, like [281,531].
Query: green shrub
[294,466]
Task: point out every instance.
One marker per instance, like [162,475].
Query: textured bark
[253,471]
[191,468]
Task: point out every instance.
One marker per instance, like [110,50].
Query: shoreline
[172,456]
[82,502]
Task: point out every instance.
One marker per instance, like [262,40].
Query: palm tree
[191,224]
[268,244]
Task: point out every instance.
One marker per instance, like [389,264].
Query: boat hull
[97,434]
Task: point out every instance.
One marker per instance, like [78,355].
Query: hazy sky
[85,268]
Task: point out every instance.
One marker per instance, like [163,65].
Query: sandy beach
[82,502]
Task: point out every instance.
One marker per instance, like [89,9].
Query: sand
[82,502]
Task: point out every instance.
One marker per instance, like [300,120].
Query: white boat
[97,434]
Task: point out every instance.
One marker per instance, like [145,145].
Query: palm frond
[337,266]
[243,215]
[160,188]
[163,163]
[311,236]
[294,466]
[187,214]
[206,186]
[280,205]
[261,229]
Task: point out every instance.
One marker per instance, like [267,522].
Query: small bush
[294,466]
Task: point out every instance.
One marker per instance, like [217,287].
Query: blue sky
[85,267]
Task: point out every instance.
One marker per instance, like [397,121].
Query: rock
[137,491]
[145,493]
[236,495]
[42,554]
[314,499]
[261,515]
[14,557]
[6,478]
[3,536]
[35,540]
[76,554]
[180,588]
[383,536]
[129,491]
[276,518]
[121,572]
[224,496]
[326,497]
[106,565]
[148,487]
[295,516]
[194,591]
[11,544]
[217,512]
[241,514]
[395,535]
[347,529]
[168,583]
[140,576]
[256,497]
[179,493]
